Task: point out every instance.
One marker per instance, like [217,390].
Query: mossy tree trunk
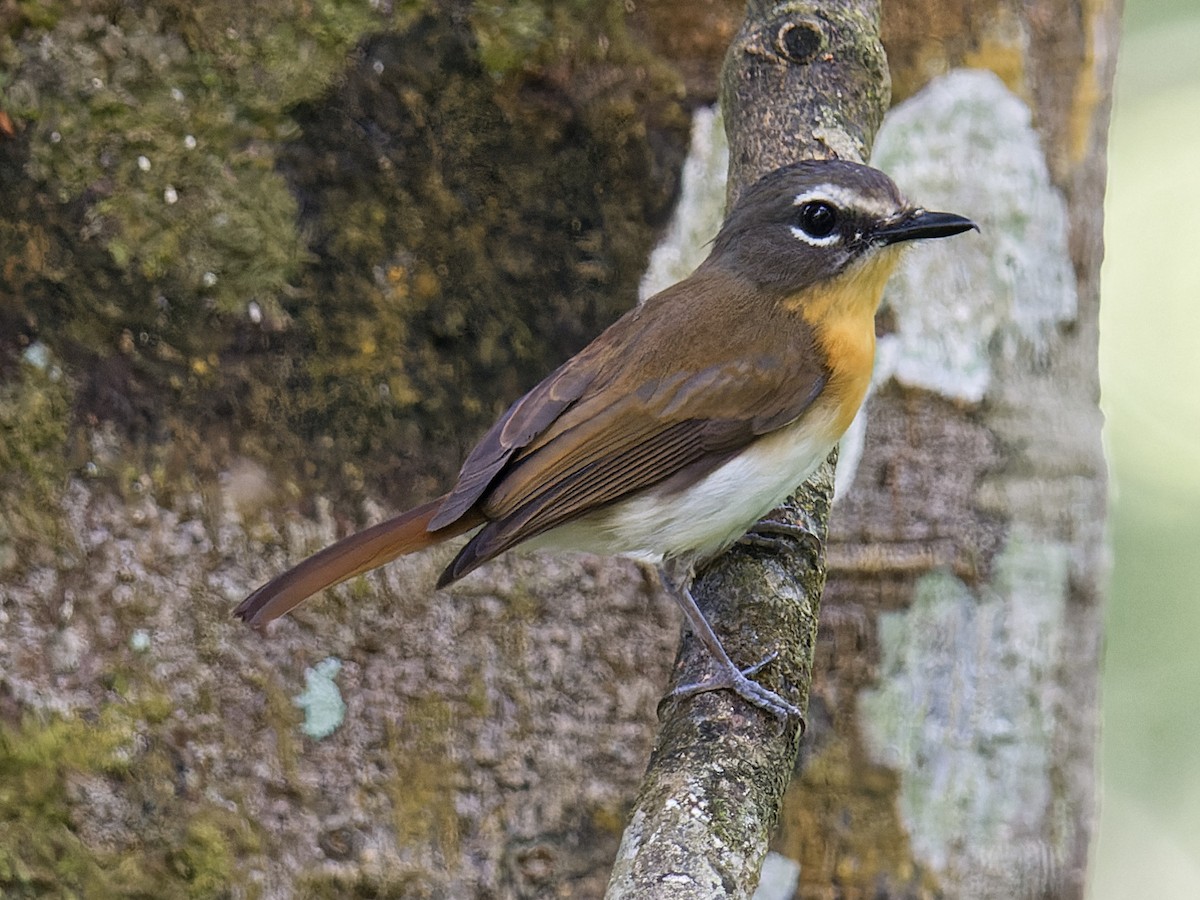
[267,271]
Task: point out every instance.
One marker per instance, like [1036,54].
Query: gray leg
[728,676]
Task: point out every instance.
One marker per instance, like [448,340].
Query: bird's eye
[818,219]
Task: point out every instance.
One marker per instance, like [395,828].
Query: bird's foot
[741,683]
[781,537]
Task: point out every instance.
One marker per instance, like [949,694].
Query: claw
[781,537]
[739,681]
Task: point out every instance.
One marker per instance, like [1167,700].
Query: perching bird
[689,418]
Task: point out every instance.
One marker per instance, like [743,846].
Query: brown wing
[524,420]
[631,428]
[608,458]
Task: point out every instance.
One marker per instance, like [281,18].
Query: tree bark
[247,306]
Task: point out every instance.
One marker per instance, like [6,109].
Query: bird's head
[822,221]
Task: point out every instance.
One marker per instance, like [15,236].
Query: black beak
[920,224]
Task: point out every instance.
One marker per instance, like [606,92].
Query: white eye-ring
[816,242]
[817,222]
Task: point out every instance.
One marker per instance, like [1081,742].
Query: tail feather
[353,555]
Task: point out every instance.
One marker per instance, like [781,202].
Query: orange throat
[841,314]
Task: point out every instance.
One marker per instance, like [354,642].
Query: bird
[688,419]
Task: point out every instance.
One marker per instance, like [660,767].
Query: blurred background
[1150,367]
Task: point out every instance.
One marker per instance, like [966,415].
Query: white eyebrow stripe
[815,241]
[846,199]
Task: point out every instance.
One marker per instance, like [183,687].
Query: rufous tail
[353,555]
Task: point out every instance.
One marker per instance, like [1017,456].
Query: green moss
[510,34]
[423,780]
[154,129]
[203,861]
[170,152]
[35,404]
[176,848]
[523,35]
[322,232]
[283,718]
[33,14]
[495,222]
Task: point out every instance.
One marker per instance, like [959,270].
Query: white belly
[705,518]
